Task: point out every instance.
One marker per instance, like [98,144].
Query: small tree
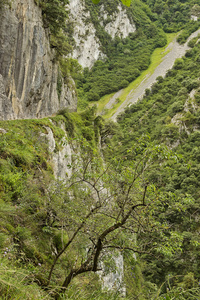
[99,208]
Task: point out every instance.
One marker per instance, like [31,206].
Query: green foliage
[72,65]
[180,287]
[18,283]
[59,85]
[169,114]
[133,277]
[172,16]
[29,226]
[43,215]
[38,215]
[92,96]
[60,43]
[126,2]
[54,14]
[191,27]
[126,58]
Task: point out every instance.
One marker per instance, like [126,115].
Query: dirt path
[175,51]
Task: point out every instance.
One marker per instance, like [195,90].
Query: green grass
[18,283]
[156,58]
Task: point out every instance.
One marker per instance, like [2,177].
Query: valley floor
[117,102]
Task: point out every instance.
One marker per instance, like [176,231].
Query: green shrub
[92,96]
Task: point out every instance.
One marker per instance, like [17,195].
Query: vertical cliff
[29,73]
[87,19]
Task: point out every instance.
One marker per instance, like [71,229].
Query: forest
[129,189]
[127,58]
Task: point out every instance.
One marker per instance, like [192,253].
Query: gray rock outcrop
[29,72]
[87,46]
[119,24]
[5,107]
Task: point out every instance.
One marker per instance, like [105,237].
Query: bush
[124,83]
[179,63]
[170,131]
[92,96]
[175,108]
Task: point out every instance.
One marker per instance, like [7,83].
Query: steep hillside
[169,114]
[125,54]
[61,210]
[35,157]
[113,41]
[161,61]
[92,209]
[92,24]
[31,83]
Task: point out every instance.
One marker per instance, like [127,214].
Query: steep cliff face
[118,24]
[88,47]
[60,159]
[29,73]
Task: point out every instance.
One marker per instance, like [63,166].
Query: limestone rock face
[5,107]
[114,280]
[59,159]
[29,73]
[119,24]
[87,45]
[88,48]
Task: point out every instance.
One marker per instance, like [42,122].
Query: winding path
[175,50]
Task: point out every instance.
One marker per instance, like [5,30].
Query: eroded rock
[28,67]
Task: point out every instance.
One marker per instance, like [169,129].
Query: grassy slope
[156,59]
[25,172]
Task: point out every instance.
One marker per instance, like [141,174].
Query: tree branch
[112,228]
[70,241]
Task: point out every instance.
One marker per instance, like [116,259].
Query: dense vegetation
[169,114]
[39,215]
[31,233]
[171,16]
[125,2]
[147,166]
[127,58]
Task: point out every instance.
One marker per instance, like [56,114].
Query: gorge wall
[87,46]
[28,70]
